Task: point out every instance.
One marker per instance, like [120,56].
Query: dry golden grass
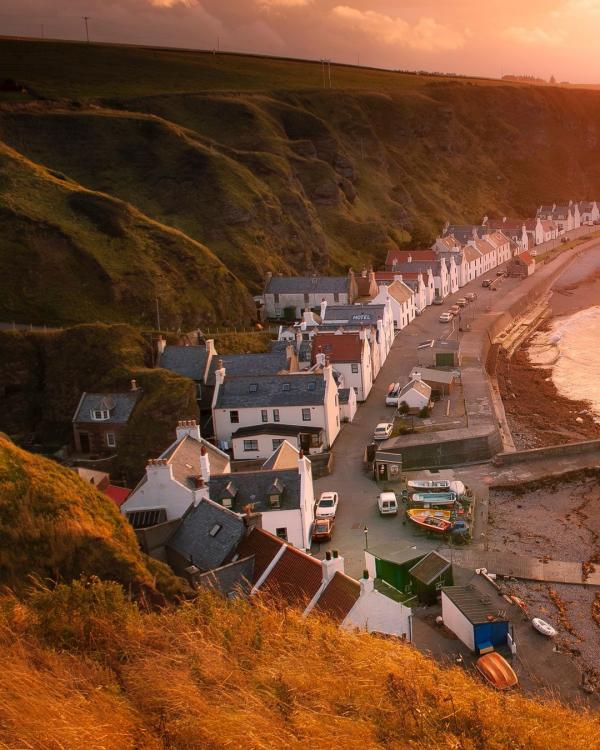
[212,675]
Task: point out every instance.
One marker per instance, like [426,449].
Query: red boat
[437,522]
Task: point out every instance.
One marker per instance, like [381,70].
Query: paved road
[358,492]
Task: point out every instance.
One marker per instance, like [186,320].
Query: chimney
[210,348]
[363,273]
[159,469]
[367,585]
[394,264]
[320,357]
[323,308]
[188,427]
[409,259]
[331,565]
[133,386]
[219,380]
[251,520]
[204,464]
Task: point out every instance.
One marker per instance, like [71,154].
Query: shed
[439,353]
[387,467]
[429,575]
[472,617]
[416,394]
[393,567]
[440,381]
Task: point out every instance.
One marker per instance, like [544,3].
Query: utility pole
[87,32]
[157,316]
[323,70]
[329,71]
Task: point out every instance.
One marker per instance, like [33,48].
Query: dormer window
[100,415]
[286,387]
[275,493]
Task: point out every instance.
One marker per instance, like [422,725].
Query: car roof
[329,493]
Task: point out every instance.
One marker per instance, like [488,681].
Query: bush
[424,413]
[403,408]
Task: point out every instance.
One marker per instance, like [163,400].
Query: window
[275,500]
[100,414]
[354,367]
[276,298]
[253,387]
[281,533]
[226,502]
[286,387]
[215,529]
[312,385]
[275,415]
[276,443]
[336,297]
[315,441]
[141,519]
[250,445]
[110,440]
[264,415]
[234,417]
[306,298]
[306,415]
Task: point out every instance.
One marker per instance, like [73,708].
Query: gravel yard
[558,522]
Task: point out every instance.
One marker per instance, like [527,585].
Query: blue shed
[472,617]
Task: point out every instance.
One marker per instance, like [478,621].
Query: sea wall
[552,451]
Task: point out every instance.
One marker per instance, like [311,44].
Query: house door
[84,442]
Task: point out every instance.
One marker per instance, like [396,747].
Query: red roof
[527,258]
[117,494]
[402,256]
[263,546]
[339,347]
[338,598]
[295,579]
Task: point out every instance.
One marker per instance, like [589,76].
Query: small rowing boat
[435,521]
[422,485]
[434,499]
[497,671]
[543,627]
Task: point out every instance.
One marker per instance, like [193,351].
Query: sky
[479,37]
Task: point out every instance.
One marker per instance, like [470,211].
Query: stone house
[100,418]
[298,293]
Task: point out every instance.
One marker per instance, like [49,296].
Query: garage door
[444,360]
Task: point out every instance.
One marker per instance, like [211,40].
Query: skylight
[253,387]
[215,529]
[286,387]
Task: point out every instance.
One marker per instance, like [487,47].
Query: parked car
[471,297]
[455,309]
[564,239]
[327,505]
[462,302]
[387,504]
[486,282]
[533,253]
[438,301]
[322,529]
[446,317]
[383,431]
[391,398]
[500,272]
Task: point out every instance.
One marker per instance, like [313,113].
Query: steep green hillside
[187,164]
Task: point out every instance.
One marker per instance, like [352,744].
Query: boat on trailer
[431,485]
[433,521]
[434,499]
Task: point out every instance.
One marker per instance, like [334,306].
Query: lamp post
[366,533]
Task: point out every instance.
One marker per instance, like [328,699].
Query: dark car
[322,529]
[486,282]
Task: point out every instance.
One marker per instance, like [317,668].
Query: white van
[387,503]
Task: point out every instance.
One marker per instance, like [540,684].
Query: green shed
[429,575]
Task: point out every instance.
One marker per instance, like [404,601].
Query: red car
[322,529]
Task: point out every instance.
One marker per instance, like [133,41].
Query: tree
[403,408]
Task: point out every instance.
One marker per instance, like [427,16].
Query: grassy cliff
[186,176]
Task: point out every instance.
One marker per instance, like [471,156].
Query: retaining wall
[551,451]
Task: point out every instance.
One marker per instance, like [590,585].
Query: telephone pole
[87,32]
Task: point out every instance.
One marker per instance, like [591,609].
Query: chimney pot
[366,575]
[335,553]
[203,451]
[133,385]
[328,555]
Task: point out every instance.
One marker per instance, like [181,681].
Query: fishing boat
[432,485]
[543,627]
[434,521]
[497,671]
[434,499]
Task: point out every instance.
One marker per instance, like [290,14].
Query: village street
[358,492]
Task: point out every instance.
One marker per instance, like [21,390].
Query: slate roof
[417,266]
[430,568]
[189,361]
[119,405]
[272,391]
[339,347]
[338,597]
[446,344]
[474,606]
[208,535]
[344,395]
[464,232]
[435,376]
[238,365]
[253,488]
[263,547]
[232,579]
[416,385]
[355,314]
[295,578]
[307,284]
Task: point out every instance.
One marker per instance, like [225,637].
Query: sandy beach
[538,415]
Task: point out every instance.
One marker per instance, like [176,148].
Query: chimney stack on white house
[332,564]
[323,308]
[204,464]
[188,427]
[367,585]
[219,380]
[160,469]
[320,357]
[133,386]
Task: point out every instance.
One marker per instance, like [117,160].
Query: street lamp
[366,533]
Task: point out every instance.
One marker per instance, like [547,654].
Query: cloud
[280,4]
[535,35]
[426,35]
[172,3]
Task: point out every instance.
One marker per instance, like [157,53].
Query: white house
[452,252]
[437,268]
[348,404]
[298,293]
[350,355]
[402,301]
[501,244]
[301,399]
[514,229]
[421,284]
[259,441]
[589,213]
[488,252]
[540,230]
[474,261]
[176,480]
[379,317]
[416,394]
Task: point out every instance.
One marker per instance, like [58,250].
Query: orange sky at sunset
[488,37]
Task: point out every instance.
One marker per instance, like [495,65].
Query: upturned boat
[434,521]
[543,627]
[497,671]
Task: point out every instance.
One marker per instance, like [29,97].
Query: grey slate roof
[274,391]
[120,406]
[464,232]
[253,487]
[355,314]
[476,607]
[194,541]
[267,363]
[431,567]
[307,285]
[189,361]
[232,579]
[344,395]
[418,266]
